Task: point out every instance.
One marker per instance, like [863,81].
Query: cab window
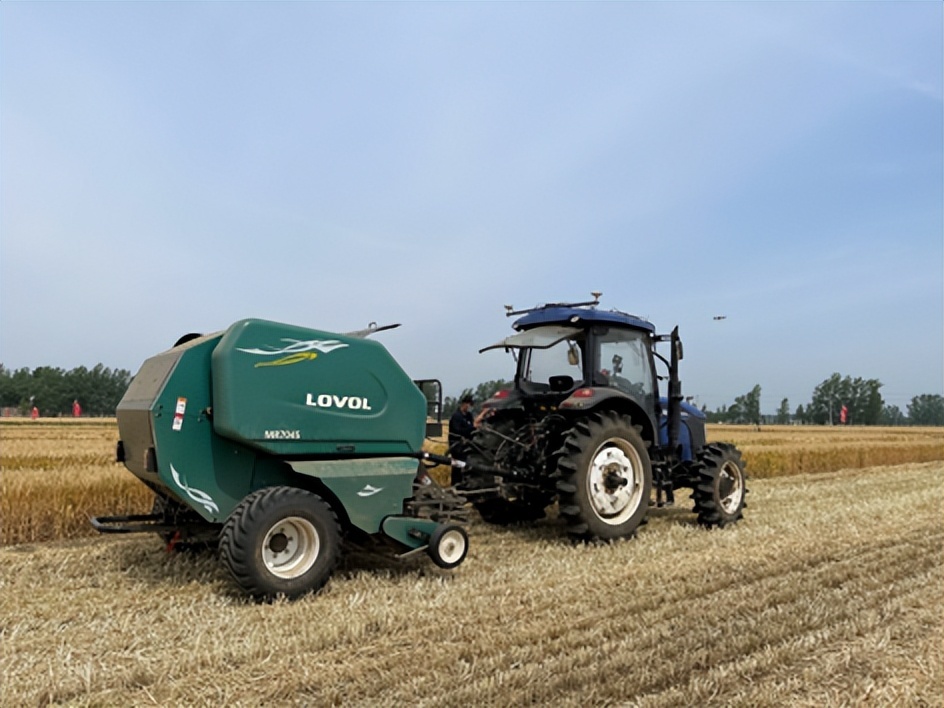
[624,362]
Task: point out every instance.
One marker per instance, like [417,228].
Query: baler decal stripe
[197,495]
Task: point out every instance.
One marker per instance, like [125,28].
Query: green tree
[53,390]
[480,393]
[783,413]
[892,415]
[748,406]
[861,397]
[745,409]
[800,415]
[926,409]
[717,416]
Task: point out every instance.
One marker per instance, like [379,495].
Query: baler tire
[448,546]
[277,520]
[721,487]
[604,444]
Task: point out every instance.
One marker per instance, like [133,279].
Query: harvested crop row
[828,593]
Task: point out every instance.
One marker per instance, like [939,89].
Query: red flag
[843,415]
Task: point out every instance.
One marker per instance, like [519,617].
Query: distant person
[76,409]
[34,414]
[461,427]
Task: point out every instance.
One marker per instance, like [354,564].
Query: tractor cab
[573,358]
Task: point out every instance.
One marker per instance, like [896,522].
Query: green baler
[278,441]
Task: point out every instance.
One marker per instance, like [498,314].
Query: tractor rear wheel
[605,478]
[281,541]
[721,487]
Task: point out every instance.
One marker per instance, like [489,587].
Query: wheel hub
[291,547]
[452,546]
[614,481]
[278,543]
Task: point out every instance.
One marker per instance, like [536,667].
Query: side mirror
[676,344]
[432,391]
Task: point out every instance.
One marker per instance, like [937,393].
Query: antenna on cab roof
[510,311]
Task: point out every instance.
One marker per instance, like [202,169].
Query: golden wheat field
[829,593]
[54,474]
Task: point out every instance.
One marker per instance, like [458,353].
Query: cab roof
[581,317]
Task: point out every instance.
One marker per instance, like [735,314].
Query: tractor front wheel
[605,478]
[721,487]
[281,541]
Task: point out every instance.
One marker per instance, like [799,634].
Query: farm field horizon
[58,472]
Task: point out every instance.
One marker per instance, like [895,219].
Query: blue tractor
[584,426]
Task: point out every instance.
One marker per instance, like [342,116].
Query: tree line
[839,400]
[52,390]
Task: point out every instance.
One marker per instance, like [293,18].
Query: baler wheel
[448,545]
[281,541]
[722,485]
[605,478]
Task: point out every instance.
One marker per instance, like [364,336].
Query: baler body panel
[368,489]
[134,413]
[301,393]
[167,409]
[206,424]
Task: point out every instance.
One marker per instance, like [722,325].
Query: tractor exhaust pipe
[675,395]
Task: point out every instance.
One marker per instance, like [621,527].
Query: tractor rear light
[504,393]
[583,393]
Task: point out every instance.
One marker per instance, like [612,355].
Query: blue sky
[174,167]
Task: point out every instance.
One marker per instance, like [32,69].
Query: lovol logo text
[324,400]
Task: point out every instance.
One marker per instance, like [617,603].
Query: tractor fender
[592,400]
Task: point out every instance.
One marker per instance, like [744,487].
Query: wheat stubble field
[831,592]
